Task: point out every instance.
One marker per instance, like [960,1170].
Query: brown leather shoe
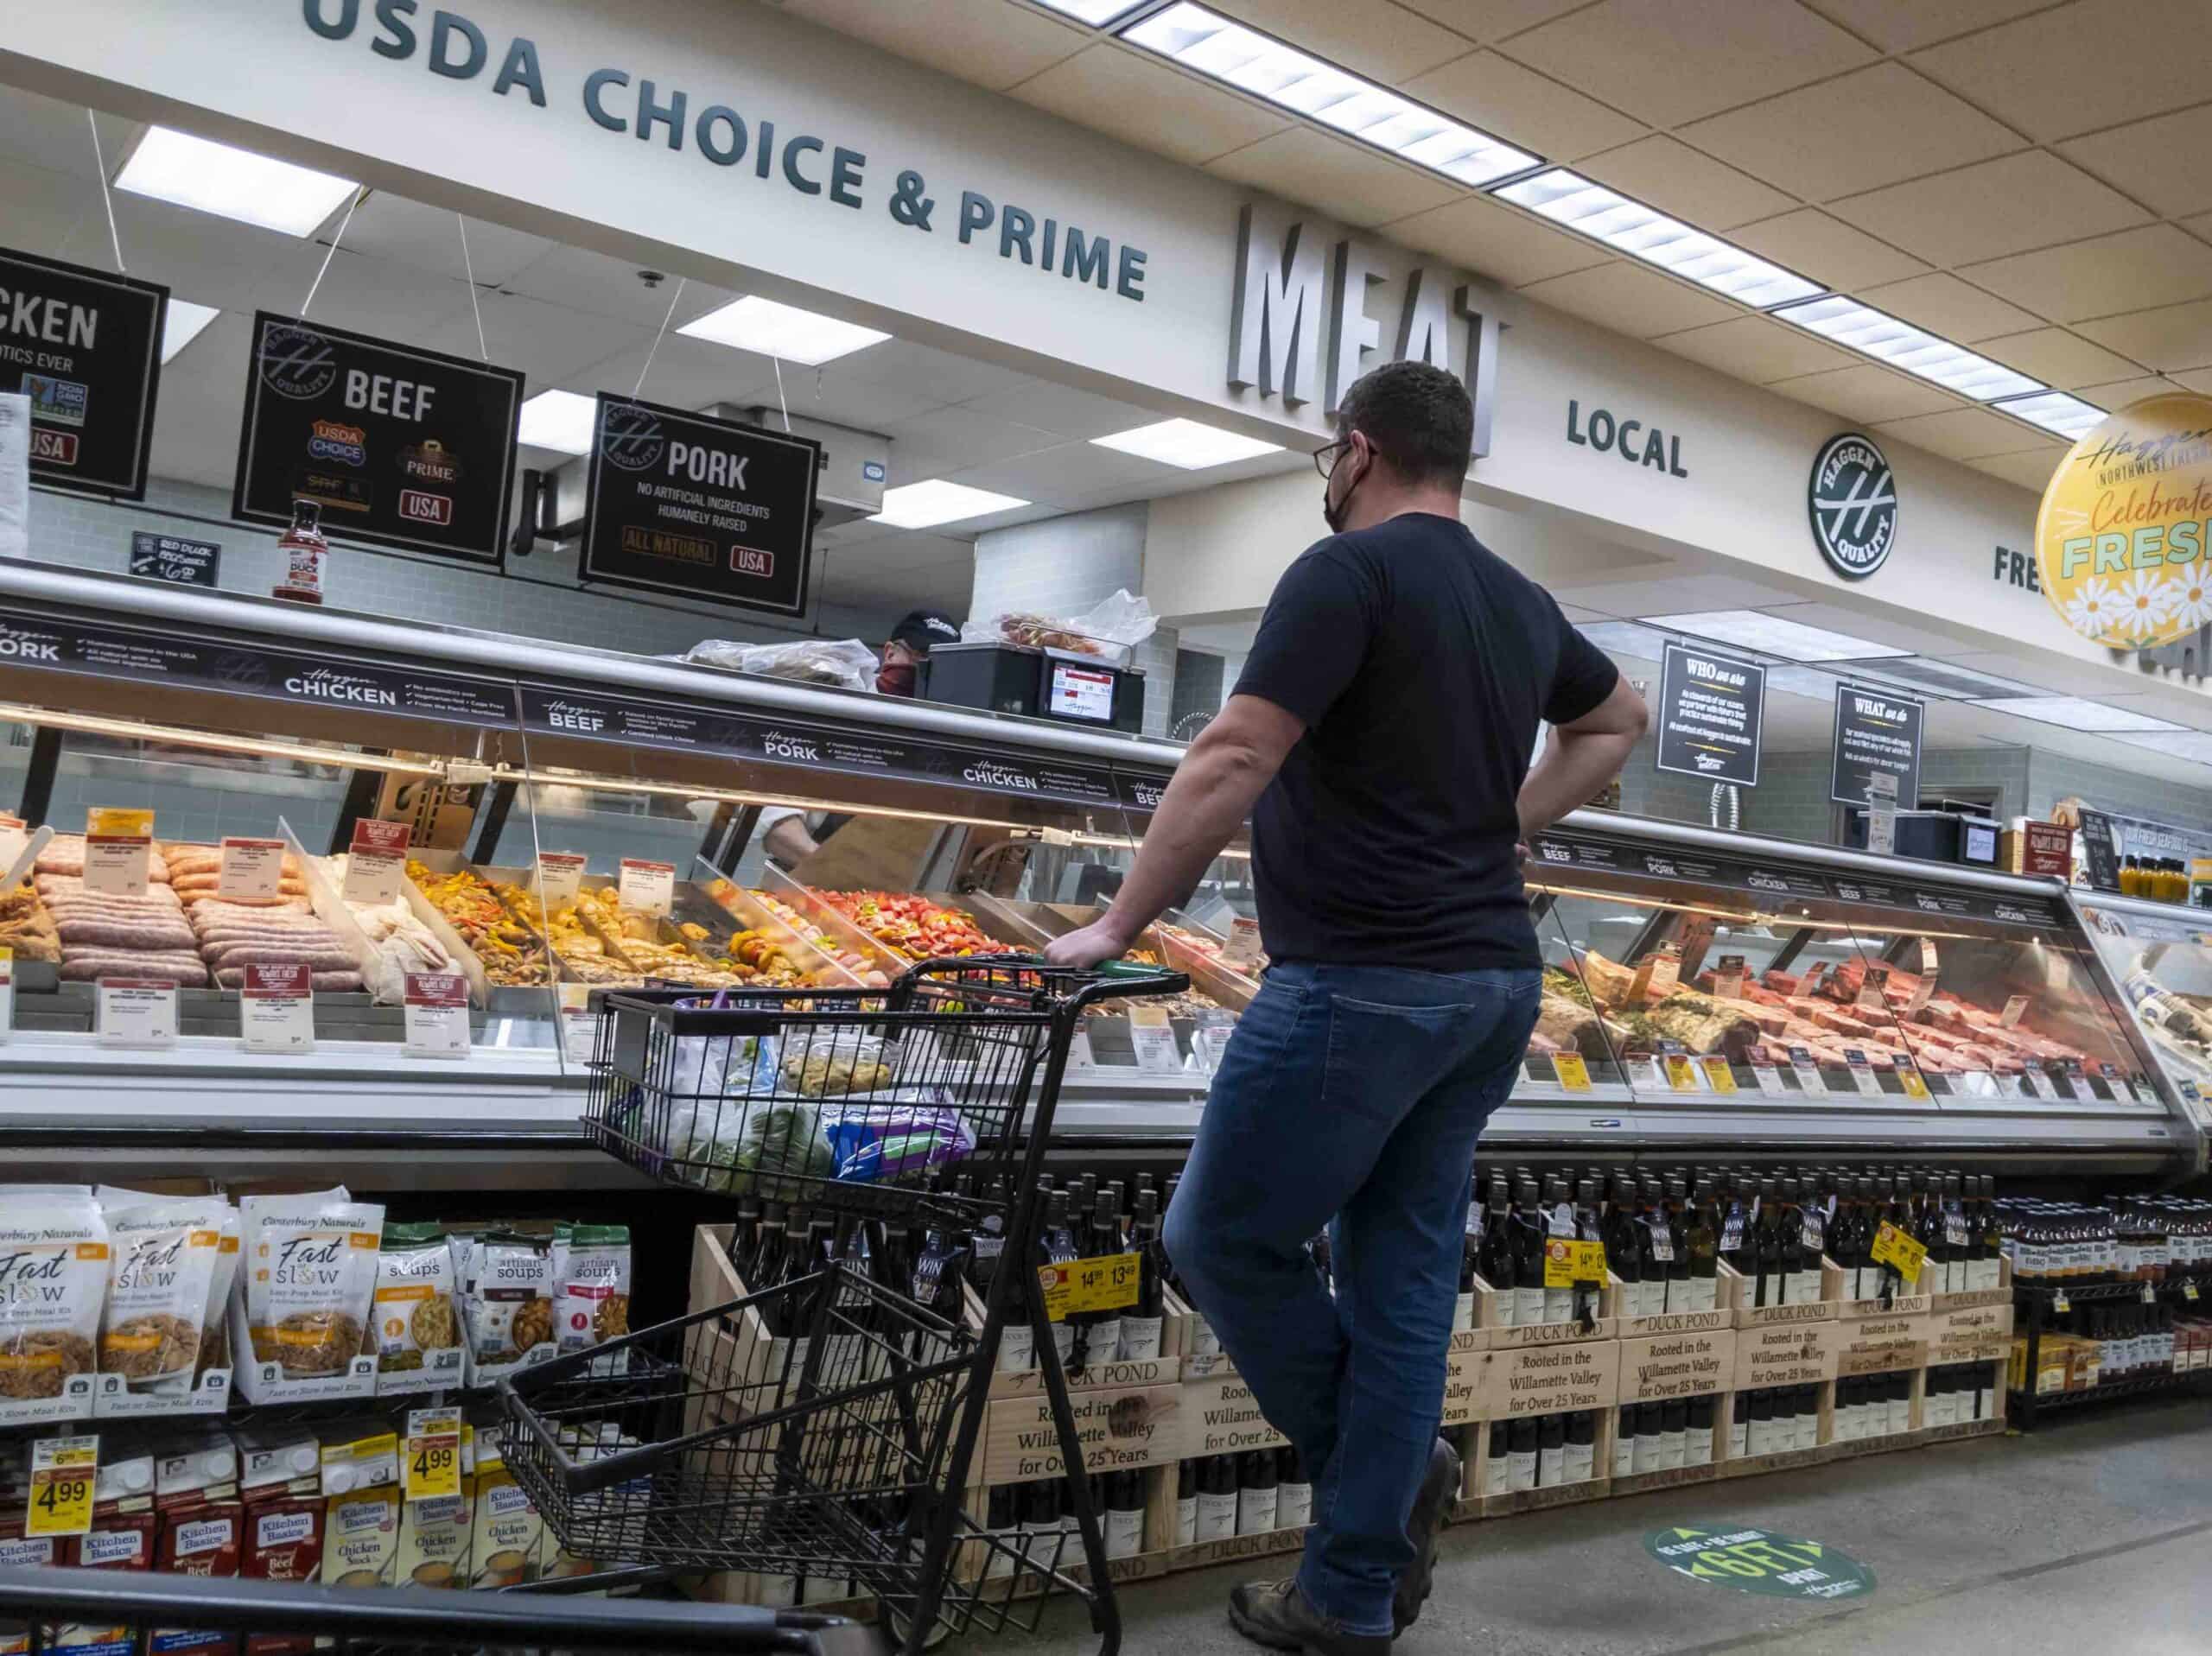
[1277,1615]
[1431,1512]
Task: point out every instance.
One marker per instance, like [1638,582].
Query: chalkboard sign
[173,558]
[2100,852]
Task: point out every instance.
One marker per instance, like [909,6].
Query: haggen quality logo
[630,436]
[1852,501]
[297,363]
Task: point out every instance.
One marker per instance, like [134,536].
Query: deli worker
[787,834]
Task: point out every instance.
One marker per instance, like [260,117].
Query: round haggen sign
[1760,1561]
[1853,501]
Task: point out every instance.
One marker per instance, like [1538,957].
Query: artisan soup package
[311,1274]
[415,1324]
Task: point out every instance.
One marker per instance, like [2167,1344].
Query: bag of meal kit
[510,1313]
[311,1273]
[161,1260]
[54,1257]
[834,1063]
[415,1317]
[593,1293]
[215,1326]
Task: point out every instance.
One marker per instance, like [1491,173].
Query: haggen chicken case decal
[85,348]
[402,447]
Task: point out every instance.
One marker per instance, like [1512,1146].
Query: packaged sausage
[415,1325]
[311,1268]
[161,1260]
[53,1264]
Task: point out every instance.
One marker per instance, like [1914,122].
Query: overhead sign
[1877,739]
[2122,532]
[1851,498]
[1710,708]
[173,558]
[684,503]
[86,348]
[402,447]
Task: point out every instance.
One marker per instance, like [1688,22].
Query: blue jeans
[1350,1097]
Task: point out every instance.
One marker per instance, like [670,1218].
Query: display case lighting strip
[133,730]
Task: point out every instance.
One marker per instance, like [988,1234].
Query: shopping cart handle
[1125,969]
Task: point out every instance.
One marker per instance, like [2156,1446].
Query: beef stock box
[1690,1363]
[1550,1379]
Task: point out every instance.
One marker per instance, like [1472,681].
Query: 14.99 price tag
[1893,1247]
[431,1467]
[1104,1283]
[62,1473]
[1567,1263]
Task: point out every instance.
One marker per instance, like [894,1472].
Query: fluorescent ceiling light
[1187,444]
[1569,199]
[924,505]
[1090,11]
[181,325]
[756,324]
[1629,638]
[1773,636]
[1212,46]
[560,420]
[2070,416]
[1903,346]
[2076,712]
[214,178]
[1807,681]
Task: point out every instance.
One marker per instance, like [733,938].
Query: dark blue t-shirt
[1421,664]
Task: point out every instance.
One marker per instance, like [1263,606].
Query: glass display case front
[2162,959]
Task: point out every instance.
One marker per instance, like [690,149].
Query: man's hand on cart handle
[1101,940]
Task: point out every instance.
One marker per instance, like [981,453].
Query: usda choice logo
[1852,501]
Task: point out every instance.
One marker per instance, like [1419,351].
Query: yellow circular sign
[2126,523]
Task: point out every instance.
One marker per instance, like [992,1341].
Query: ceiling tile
[1334,175]
[1902,25]
[1943,304]
[2057,357]
[1368,37]
[2200,380]
[1995,207]
[1852,134]
[2200,225]
[1511,247]
[1667,61]
[1522,107]
[945,441]
[1490,20]
[2078,67]
[1867,392]
[1832,254]
[2159,162]
[41,131]
[1630,298]
[2134,270]
[2031,470]
[2171,337]
[1136,97]
[1058,409]
[1666,173]
[1064,475]
[994,43]
[1755,349]
[389,226]
[1962,434]
[2119,393]
[924,370]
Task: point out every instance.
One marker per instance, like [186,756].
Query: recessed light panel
[1901,345]
[559,419]
[236,183]
[1571,200]
[756,324]
[181,325]
[1771,635]
[924,505]
[1187,444]
[2076,712]
[1959,683]
[2070,416]
[1093,12]
[1209,44]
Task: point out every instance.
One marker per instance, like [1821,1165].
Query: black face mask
[1335,516]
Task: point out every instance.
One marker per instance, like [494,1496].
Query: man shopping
[1379,738]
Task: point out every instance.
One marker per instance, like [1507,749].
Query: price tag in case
[63,1471]
[118,850]
[1153,1034]
[436,1014]
[560,877]
[376,865]
[7,990]
[1572,1072]
[1105,1283]
[1718,1074]
[647,888]
[277,1009]
[1567,1263]
[431,1467]
[135,1012]
[579,1029]
[1809,1073]
[251,869]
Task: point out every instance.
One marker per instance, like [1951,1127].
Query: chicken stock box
[1141,1425]
[1878,1345]
[1550,1379]
[1788,1353]
[1691,1363]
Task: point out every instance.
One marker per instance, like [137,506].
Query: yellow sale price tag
[1717,1075]
[62,1473]
[1914,1087]
[1573,1074]
[1567,1263]
[1682,1074]
[1893,1247]
[1105,1283]
[120,821]
[432,1465]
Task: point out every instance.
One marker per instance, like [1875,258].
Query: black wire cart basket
[827,1424]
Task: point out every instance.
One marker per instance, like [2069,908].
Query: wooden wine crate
[1878,1345]
[1969,1333]
[1015,1583]
[1476,1502]
[1463,1377]
[1221,1417]
[1739,1466]
[1604,1326]
[1119,1428]
[1686,1363]
[1792,1352]
[1825,1309]
[1552,1378]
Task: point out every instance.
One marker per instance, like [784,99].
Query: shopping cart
[826,1425]
[55,1607]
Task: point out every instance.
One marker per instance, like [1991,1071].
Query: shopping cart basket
[827,1426]
[232,1618]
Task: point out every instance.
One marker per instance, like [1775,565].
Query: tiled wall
[2054,777]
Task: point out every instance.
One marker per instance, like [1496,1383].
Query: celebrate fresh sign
[2121,538]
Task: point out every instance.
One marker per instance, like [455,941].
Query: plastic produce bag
[1110,630]
[846,662]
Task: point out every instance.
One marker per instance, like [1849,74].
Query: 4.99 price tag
[62,1474]
[1106,1283]
[431,1466]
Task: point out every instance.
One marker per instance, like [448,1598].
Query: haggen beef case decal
[86,348]
[402,447]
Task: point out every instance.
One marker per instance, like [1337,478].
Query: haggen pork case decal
[684,503]
[85,348]
[402,447]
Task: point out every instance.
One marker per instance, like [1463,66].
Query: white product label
[1624,1455]
[1869,1084]
[1140,1338]
[646,888]
[1580,1463]
[1154,1037]
[1697,1446]
[1528,1306]
[436,1015]
[1217,1516]
[1017,1349]
[2039,1078]
[1520,1469]
[376,862]
[579,1028]
[1551,1467]
[1293,1505]
[1497,1471]
[118,850]
[1769,1078]
[1881,832]
[1808,1078]
[1242,949]
[1670,1450]
[560,877]
[1082,693]
[1124,1533]
[136,1011]
[251,869]
[1739,1439]
[1186,1521]
[277,1009]
[1256,1511]
[1213,1044]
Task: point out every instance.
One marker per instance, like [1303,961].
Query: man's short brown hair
[1419,419]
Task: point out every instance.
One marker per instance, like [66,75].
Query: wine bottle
[1256,1486]
[1003,1523]
[1096,1336]
[1186,1495]
[1697,1434]
[1521,1455]
[1528,1231]
[1588,1227]
[1293,1490]
[1497,1458]
[1499,1262]
[1217,1498]
[1624,1246]
[1580,1463]
[1625,1441]
[1558,1225]
[1124,1518]
[1551,1451]
[1673,1424]
[1041,1530]
[1143,1322]
[1701,1241]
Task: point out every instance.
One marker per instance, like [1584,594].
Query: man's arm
[1211,793]
[787,841]
[1581,756]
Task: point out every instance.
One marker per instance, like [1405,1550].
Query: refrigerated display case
[2161,957]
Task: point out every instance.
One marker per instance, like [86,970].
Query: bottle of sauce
[303,549]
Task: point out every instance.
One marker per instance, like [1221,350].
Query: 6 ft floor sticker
[1753,1560]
